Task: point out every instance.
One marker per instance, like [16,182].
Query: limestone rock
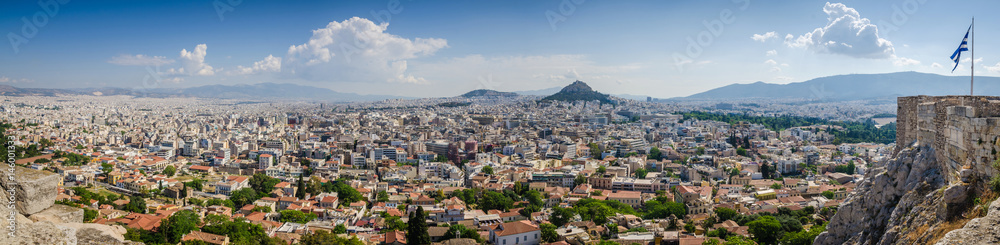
[59,214]
[966,175]
[97,233]
[956,194]
[977,231]
[35,190]
[895,196]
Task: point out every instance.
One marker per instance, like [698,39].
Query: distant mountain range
[541,92]
[579,91]
[857,86]
[254,91]
[488,93]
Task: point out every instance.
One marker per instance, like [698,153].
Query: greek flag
[963,47]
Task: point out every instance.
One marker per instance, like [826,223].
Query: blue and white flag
[963,47]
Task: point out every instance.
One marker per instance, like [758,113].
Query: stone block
[34,190]
[59,214]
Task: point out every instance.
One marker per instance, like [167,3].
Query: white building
[517,232]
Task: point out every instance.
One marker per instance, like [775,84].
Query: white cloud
[993,68]
[903,61]
[5,79]
[846,33]
[936,65]
[770,62]
[358,50]
[269,64]
[772,52]
[978,60]
[775,69]
[764,37]
[173,79]
[139,60]
[193,63]
[783,78]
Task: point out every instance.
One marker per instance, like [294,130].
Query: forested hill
[853,132]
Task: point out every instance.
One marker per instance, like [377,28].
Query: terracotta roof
[395,236]
[513,228]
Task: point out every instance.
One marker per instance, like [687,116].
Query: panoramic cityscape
[487,122]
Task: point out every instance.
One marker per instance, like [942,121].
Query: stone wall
[965,130]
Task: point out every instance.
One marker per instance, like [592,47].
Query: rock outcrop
[897,202]
[34,190]
[47,223]
[978,231]
[924,195]
[59,214]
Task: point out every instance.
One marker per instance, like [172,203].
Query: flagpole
[972,49]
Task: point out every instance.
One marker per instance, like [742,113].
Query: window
[517,240]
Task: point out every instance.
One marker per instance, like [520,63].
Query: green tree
[416,228]
[828,194]
[243,197]
[739,240]
[392,223]
[803,237]
[214,219]
[765,230]
[263,184]
[89,215]
[689,227]
[321,237]
[580,179]
[296,216]
[561,216]
[740,151]
[776,186]
[382,196]
[661,208]
[195,184]
[136,204]
[726,214]
[300,189]
[169,171]
[347,193]
[488,170]
[495,200]
[549,232]
[340,229]
[179,224]
[595,151]
[602,170]
[641,173]
[655,154]
[534,198]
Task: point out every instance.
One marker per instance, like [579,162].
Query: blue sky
[445,48]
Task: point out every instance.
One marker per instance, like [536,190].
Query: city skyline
[433,49]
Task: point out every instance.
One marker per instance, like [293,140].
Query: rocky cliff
[895,199]
[39,221]
[928,192]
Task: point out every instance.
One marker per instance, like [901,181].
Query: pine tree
[416,230]
[300,190]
